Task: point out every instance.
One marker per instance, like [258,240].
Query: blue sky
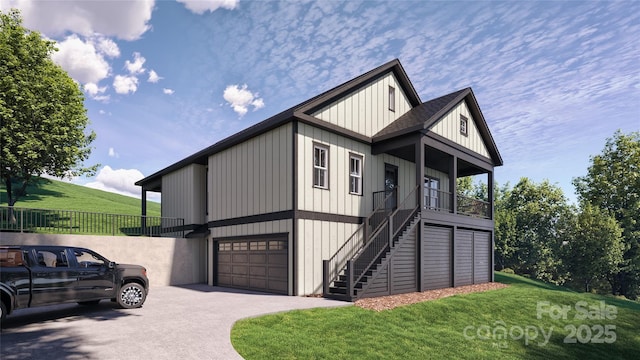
[164,79]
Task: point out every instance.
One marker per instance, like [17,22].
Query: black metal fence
[80,222]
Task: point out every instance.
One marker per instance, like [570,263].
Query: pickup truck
[45,275]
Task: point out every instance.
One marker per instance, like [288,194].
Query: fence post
[21,220]
[391,230]
[113,225]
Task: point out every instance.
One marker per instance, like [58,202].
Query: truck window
[52,258]
[87,259]
[11,258]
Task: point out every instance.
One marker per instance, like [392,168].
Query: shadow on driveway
[43,333]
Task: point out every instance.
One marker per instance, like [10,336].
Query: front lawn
[464,326]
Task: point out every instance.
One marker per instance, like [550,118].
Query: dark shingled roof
[421,116]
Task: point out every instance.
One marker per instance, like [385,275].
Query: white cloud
[240,99]
[108,47]
[154,77]
[93,89]
[125,84]
[168,91]
[113,153]
[135,67]
[126,20]
[81,60]
[120,181]
[201,6]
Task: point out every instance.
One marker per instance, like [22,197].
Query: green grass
[436,329]
[53,194]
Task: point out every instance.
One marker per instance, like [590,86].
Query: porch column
[490,193]
[143,218]
[453,183]
[420,164]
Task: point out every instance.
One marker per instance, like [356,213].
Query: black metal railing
[438,200]
[383,238]
[90,223]
[333,267]
[474,207]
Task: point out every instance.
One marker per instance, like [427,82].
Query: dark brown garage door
[436,257]
[254,264]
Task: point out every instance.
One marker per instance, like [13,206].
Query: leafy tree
[612,183]
[42,113]
[506,234]
[532,227]
[593,246]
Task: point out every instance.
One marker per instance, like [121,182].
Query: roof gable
[425,117]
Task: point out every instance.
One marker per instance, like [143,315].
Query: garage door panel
[436,257]
[240,258]
[257,258]
[482,257]
[239,270]
[253,264]
[257,283]
[258,271]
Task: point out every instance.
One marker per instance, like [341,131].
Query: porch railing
[474,207]
[438,200]
[90,223]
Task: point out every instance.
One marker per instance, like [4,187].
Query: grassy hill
[458,327]
[53,194]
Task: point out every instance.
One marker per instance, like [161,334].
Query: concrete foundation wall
[169,261]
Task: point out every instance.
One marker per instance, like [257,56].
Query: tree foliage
[612,183]
[42,113]
[534,212]
[593,245]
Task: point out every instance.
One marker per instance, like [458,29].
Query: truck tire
[3,311]
[131,295]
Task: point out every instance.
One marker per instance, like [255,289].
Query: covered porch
[439,164]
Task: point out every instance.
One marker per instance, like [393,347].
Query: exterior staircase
[353,268]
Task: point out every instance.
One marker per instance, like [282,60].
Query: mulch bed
[393,301]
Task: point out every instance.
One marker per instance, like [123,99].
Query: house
[350,194]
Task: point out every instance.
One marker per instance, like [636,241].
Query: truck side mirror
[112,264]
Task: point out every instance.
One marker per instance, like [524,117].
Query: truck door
[53,280]
[95,279]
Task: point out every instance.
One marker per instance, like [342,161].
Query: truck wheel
[131,295]
[3,311]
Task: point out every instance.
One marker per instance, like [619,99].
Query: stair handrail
[351,247]
[381,240]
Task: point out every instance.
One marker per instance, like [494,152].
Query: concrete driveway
[187,322]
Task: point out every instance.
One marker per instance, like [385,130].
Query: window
[392,98]
[431,193]
[320,166]
[464,124]
[355,174]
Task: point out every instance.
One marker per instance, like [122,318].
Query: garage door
[463,269]
[482,266]
[436,257]
[256,264]
[472,257]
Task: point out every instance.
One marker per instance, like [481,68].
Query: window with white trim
[355,174]
[392,98]
[464,125]
[320,166]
